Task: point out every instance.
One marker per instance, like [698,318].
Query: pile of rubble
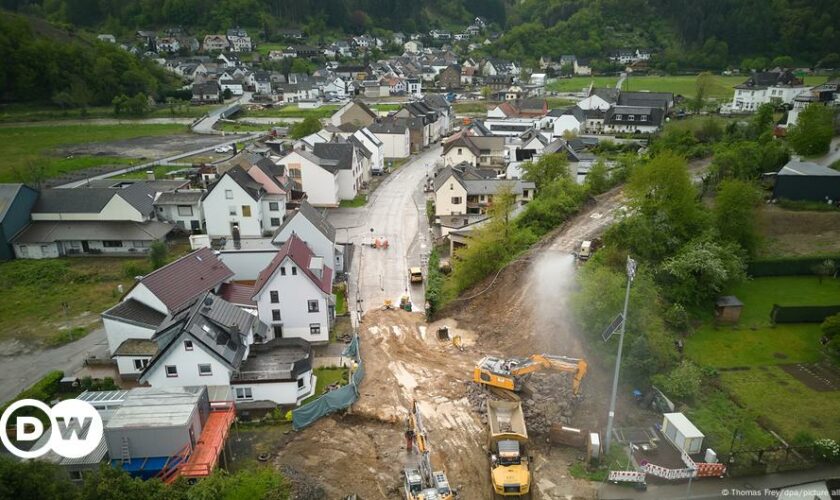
[303,486]
[547,399]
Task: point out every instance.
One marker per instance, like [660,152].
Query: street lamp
[631,273]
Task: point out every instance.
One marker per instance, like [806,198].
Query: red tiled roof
[178,282]
[297,250]
[238,293]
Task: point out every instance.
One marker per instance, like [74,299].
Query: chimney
[150,175]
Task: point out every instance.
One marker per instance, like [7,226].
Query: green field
[244,127]
[754,341]
[748,356]
[24,148]
[13,113]
[722,87]
[161,172]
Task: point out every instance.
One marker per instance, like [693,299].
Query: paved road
[397,212]
[20,371]
[833,154]
[205,125]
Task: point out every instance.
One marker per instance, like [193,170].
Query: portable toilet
[682,433]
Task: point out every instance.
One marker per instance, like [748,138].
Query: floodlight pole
[631,273]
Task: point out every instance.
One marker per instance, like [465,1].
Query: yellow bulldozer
[511,374]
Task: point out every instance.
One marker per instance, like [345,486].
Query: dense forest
[41,63]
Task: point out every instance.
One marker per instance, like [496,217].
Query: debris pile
[547,399]
[303,486]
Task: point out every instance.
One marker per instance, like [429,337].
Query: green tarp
[334,400]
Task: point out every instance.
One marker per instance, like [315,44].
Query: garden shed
[728,309]
[807,181]
[681,433]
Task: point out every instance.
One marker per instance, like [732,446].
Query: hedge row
[788,266]
[43,390]
[802,314]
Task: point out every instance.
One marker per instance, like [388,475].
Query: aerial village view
[419,249]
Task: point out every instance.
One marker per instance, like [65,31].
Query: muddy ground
[520,312]
[143,147]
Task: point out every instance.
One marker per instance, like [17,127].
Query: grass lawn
[772,393]
[11,113]
[326,376]
[358,201]
[754,341]
[473,107]
[557,102]
[161,172]
[578,83]
[22,147]
[719,418]
[33,294]
[340,299]
[386,108]
[798,232]
[722,86]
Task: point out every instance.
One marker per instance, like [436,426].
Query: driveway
[396,211]
[19,371]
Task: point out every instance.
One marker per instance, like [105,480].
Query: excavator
[511,374]
[421,482]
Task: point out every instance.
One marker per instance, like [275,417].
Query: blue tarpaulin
[337,399]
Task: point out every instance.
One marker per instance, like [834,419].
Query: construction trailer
[682,433]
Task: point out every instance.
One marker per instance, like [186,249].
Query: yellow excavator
[421,482]
[511,374]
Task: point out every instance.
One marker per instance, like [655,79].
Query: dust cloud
[553,281]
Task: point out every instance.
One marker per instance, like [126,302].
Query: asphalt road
[397,212]
[205,125]
[20,371]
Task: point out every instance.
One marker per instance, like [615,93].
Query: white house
[233,206]
[131,323]
[317,176]
[349,167]
[312,226]
[294,293]
[395,138]
[235,86]
[778,87]
[466,191]
[182,208]
[336,87]
[239,40]
[216,343]
[368,141]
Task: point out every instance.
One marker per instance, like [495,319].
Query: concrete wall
[282,393]
[395,145]
[118,332]
[145,296]
[458,154]
[125,365]
[315,239]
[246,264]
[320,186]
[217,211]
[169,213]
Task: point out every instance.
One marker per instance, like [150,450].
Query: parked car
[224,149]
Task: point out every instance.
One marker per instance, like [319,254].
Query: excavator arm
[538,362]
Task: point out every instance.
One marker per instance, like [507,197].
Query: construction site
[452,371]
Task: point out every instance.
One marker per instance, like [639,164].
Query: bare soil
[789,232]
[820,377]
[142,147]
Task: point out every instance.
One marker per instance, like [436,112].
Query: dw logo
[76,428]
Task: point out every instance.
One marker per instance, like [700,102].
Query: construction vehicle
[415,274]
[421,482]
[585,251]
[509,462]
[511,374]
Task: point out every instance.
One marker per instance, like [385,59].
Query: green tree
[701,270]
[227,94]
[545,170]
[702,86]
[782,62]
[762,121]
[735,214]
[157,254]
[486,92]
[308,126]
[813,130]
[830,327]
[598,178]
[34,479]
[682,383]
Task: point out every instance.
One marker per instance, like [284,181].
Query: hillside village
[396,268]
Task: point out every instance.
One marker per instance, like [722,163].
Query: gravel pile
[304,487]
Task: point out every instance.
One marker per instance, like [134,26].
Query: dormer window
[631,118]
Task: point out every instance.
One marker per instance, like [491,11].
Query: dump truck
[508,441]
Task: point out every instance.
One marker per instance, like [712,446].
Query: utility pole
[631,273]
